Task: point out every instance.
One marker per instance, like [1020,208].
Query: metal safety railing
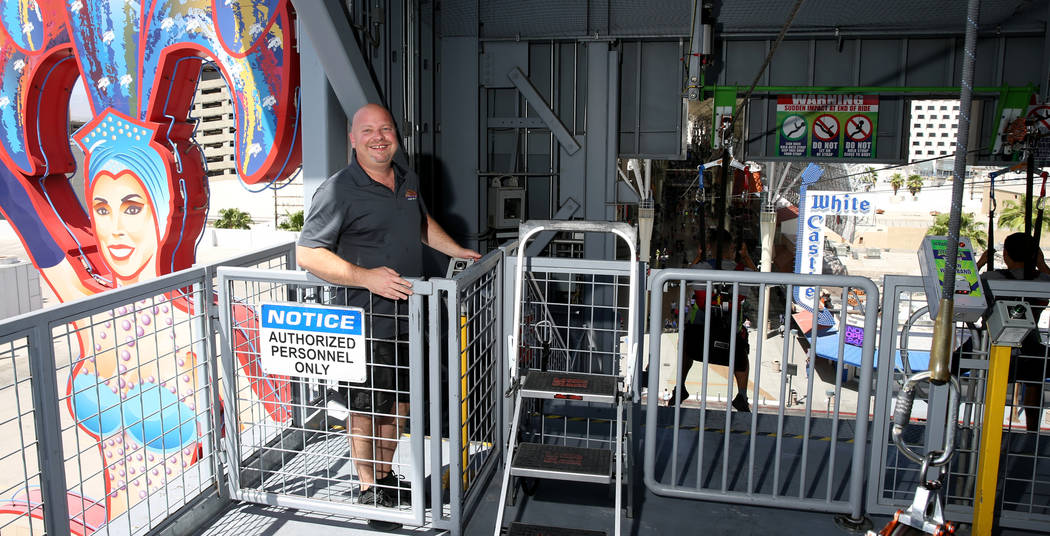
[286,451]
[758,447]
[114,428]
[121,420]
[1024,453]
[281,452]
[574,318]
[473,306]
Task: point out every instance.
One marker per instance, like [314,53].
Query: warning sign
[793,136]
[313,341]
[857,142]
[839,126]
[825,139]
[1039,116]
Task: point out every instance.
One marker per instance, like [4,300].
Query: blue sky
[79,109]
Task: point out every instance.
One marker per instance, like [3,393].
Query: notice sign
[827,126]
[313,341]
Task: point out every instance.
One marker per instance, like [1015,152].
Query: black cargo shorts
[386,381]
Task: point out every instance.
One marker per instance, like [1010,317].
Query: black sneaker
[396,485]
[740,403]
[375,496]
[336,405]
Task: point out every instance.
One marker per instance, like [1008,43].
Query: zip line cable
[765,65]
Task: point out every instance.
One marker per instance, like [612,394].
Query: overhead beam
[341,58]
[555,125]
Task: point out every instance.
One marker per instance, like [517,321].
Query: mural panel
[146,193]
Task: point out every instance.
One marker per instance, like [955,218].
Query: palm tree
[896,181]
[233,218]
[968,227]
[1012,215]
[293,221]
[914,184]
[869,178]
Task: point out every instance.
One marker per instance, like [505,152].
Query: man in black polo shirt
[366,228]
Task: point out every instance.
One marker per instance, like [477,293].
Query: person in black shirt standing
[366,228]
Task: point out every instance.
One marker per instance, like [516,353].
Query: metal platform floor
[588,506]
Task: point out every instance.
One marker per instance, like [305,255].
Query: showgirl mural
[147,198]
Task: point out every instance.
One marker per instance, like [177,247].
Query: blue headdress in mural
[116,144]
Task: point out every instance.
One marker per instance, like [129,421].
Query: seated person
[1027,363]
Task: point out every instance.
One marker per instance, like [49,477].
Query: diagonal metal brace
[526,88]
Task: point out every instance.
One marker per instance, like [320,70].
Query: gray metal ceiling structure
[899,49]
[612,74]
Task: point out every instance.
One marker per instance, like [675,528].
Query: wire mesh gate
[574,319]
[114,410]
[714,449]
[281,450]
[284,448]
[1024,469]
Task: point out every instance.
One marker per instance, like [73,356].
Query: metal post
[991,441]
[204,310]
[48,431]
[720,206]
[434,313]
[226,360]
[416,401]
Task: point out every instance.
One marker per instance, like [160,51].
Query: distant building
[934,126]
[216,130]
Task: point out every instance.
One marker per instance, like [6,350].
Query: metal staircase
[542,457]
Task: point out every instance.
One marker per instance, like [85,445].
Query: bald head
[374,137]
[370,112]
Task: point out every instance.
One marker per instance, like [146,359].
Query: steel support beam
[335,47]
[325,143]
[601,147]
[699,43]
[548,116]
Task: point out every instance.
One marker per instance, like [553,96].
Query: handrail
[625,231]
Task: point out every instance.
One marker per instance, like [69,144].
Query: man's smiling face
[374,137]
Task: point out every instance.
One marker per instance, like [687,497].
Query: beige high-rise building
[216,130]
[934,127]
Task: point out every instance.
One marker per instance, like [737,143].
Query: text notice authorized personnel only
[313,341]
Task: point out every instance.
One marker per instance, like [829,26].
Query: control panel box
[970,298]
[1010,322]
[457,265]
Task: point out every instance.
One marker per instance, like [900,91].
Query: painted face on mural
[124,223]
[374,136]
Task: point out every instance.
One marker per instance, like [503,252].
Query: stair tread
[561,459]
[571,383]
[529,529]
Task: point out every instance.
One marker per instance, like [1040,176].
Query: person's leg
[742,368]
[741,382]
[390,428]
[394,401]
[692,343]
[362,448]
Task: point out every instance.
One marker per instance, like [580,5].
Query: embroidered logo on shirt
[410,194]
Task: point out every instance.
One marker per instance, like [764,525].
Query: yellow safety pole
[463,397]
[991,440]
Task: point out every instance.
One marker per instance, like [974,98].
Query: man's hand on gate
[387,283]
